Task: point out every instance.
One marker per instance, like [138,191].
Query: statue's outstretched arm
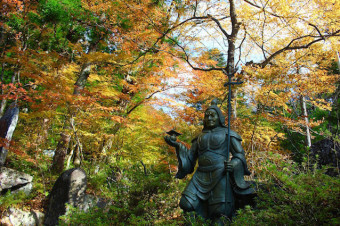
[186,157]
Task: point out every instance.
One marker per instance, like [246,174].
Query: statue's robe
[208,184]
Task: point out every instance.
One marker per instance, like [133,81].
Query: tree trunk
[305,115]
[70,154]
[235,26]
[82,79]
[234,108]
[3,106]
[60,153]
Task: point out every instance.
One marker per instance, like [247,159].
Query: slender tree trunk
[77,158]
[3,101]
[3,106]
[70,154]
[43,134]
[105,145]
[78,151]
[305,115]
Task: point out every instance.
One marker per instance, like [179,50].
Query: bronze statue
[207,193]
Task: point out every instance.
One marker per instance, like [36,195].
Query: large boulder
[8,122]
[69,188]
[14,217]
[12,180]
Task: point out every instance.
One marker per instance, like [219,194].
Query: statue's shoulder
[233,134]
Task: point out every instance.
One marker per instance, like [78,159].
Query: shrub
[137,198]
[295,197]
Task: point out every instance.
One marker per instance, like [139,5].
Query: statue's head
[213,116]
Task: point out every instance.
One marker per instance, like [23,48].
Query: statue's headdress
[221,117]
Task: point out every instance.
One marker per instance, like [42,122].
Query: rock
[8,122]
[14,181]
[69,188]
[14,217]
[91,201]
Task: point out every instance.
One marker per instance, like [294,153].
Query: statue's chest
[211,140]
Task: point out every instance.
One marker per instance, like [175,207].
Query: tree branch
[290,47]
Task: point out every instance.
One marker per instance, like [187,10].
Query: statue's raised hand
[171,140]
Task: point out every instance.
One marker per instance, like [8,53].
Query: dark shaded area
[14,188]
[327,153]
[246,199]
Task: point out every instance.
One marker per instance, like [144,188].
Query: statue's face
[211,119]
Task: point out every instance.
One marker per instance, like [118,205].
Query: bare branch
[186,58]
[262,8]
[317,29]
[143,101]
[219,26]
[231,37]
[150,96]
[196,3]
[240,48]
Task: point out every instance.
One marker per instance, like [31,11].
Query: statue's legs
[186,205]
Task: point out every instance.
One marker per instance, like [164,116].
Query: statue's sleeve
[240,186]
[186,159]
[238,153]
